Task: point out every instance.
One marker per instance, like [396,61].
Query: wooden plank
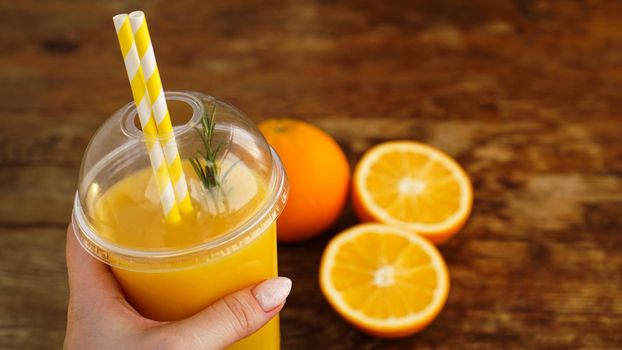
[502,301]
[37,196]
[36,140]
[525,165]
[525,144]
[33,281]
[311,62]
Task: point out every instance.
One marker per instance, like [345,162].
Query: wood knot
[59,45]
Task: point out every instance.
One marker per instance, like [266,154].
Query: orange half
[413,186]
[387,281]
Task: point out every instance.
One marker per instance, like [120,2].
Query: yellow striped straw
[143,107]
[159,108]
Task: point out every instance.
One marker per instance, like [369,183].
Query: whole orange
[318,173]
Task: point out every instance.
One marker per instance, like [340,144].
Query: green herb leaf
[208,173]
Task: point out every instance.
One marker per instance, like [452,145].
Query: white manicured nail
[272,293]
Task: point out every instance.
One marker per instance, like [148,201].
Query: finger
[88,277]
[234,317]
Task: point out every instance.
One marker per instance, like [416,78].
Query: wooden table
[525,94]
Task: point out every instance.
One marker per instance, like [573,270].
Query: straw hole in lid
[185,111]
[180,111]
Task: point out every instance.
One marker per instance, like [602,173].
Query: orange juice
[125,216]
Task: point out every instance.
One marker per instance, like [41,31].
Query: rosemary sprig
[208,174]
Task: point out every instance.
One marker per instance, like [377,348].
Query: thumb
[233,317]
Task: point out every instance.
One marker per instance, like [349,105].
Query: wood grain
[524,94]
[33,297]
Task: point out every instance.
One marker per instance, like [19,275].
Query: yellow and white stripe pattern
[160,109]
[143,107]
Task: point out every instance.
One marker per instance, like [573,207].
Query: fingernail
[272,293]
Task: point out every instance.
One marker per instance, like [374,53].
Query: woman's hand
[100,318]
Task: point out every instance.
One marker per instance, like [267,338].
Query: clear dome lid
[118,213]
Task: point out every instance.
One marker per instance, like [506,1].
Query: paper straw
[159,108]
[143,107]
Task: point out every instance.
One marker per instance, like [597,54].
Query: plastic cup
[228,242]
